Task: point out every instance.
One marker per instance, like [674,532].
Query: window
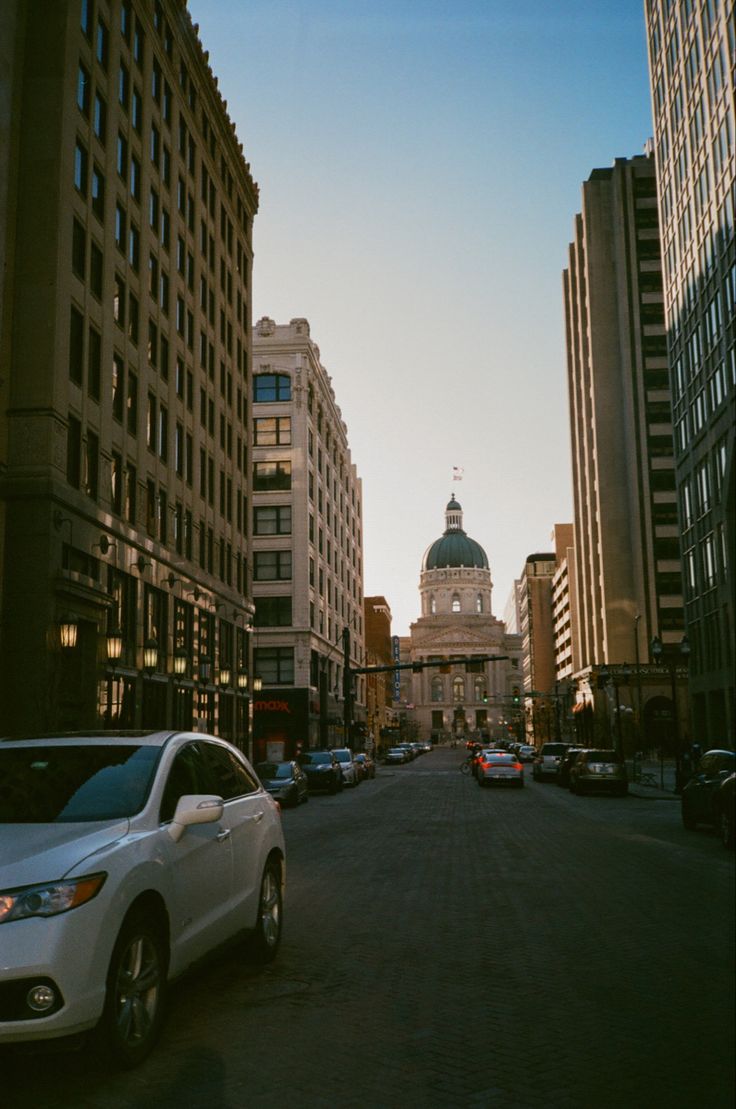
[455,603]
[76,346]
[273,612]
[458,689]
[116,483]
[121,160]
[136,114]
[135,178]
[436,691]
[102,43]
[91,465]
[118,386]
[99,118]
[98,193]
[73,452]
[94,363]
[274,665]
[79,250]
[123,86]
[120,228]
[81,168]
[272,566]
[132,405]
[134,247]
[272,520]
[271,387]
[272,431]
[84,86]
[271,476]
[95,270]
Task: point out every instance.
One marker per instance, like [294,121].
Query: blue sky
[420,165]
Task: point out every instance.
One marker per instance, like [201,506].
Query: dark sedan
[285,781]
[697,801]
[322,769]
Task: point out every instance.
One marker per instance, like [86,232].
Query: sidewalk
[658,782]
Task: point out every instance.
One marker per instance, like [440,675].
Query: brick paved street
[448,946]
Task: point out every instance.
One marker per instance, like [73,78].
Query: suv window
[554,749]
[187,775]
[228,776]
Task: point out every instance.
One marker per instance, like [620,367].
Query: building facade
[537,647]
[627,547]
[307,548]
[380,714]
[127,213]
[461,699]
[692,52]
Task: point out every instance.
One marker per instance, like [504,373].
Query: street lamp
[68,630]
[657,649]
[114,640]
[150,656]
[181,658]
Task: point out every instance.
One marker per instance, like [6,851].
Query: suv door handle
[223,835]
[257,817]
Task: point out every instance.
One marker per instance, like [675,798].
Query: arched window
[479,603]
[436,691]
[458,689]
[455,602]
[433,605]
[480,688]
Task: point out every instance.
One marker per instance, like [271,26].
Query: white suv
[350,772]
[124,858]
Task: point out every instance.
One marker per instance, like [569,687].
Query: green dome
[454,548]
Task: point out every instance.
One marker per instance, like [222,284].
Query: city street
[450,946]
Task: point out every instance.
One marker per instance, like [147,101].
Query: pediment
[455,640]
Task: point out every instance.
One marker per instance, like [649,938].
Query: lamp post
[657,649]
[180,664]
[114,651]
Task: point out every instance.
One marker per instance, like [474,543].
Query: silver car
[547,762]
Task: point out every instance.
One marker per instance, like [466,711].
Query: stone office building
[126,214]
[307,548]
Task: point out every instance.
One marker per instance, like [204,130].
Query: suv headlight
[49,899]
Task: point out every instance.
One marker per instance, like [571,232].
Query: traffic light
[485,696]
[516,695]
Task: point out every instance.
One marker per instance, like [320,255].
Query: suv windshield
[343,755]
[62,784]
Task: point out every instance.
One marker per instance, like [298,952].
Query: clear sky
[420,165]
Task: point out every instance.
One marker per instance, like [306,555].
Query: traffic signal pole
[349,672]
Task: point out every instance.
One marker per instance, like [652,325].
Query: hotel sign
[396,656]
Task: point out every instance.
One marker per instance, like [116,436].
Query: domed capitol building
[463,699]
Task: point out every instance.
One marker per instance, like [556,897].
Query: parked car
[410,752]
[396,755]
[124,859]
[563,767]
[322,769]
[366,765]
[723,808]
[525,752]
[599,770]
[499,767]
[697,799]
[546,763]
[286,781]
[350,772]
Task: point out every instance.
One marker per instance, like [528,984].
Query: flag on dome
[457,473]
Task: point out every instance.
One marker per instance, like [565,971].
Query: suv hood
[31,853]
